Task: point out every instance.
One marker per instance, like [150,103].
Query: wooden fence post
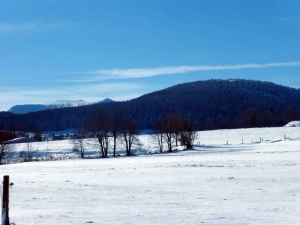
[5,201]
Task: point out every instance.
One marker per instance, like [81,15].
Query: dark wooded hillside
[211,104]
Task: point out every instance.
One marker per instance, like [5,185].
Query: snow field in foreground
[212,184]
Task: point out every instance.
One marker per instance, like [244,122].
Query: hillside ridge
[28,108]
[212,104]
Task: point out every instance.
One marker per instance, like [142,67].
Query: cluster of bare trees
[108,126]
[174,129]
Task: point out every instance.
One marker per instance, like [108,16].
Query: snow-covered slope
[250,183]
[293,124]
[23,109]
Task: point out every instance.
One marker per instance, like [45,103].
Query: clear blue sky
[80,49]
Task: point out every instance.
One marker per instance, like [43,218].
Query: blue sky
[120,49]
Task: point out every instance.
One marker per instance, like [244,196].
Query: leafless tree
[5,146]
[129,132]
[117,119]
[80,140]
[170,126]
[29,150]
[177,121]
[99,125]
[188,133]
[158,133]
[38,134]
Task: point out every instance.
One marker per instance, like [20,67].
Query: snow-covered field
[215,183]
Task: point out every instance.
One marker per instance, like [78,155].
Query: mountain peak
[105,100]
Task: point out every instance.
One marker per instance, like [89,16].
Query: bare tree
[158,133]
[188,133]
[177,126]
[29,150]
[174,128]
[129,132]
[99,124]
[5,146]
[117,119]
[38,134]
[170,126]
[80,140]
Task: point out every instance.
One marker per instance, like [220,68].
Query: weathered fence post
[5,201]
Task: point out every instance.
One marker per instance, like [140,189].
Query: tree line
[174,128]
[110,127]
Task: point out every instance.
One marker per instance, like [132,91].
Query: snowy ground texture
[251,183]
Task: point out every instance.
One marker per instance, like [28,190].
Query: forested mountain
[211,104]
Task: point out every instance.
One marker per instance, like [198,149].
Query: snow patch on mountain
[68,103]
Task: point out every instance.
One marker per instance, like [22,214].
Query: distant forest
[211,104]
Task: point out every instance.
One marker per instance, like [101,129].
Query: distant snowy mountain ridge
[68,103]
[23,109]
